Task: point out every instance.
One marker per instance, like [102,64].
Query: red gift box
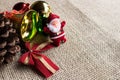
[42,63]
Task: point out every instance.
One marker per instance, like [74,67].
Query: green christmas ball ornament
[42,7]
[28,26]
[44,10]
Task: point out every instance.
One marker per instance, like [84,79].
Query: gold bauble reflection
[28,26]
[42,7]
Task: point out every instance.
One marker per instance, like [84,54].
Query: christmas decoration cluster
[33,28]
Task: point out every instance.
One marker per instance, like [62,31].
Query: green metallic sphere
[28,26]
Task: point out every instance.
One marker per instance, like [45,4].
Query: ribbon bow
[42,63]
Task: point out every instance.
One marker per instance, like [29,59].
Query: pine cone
[9,40]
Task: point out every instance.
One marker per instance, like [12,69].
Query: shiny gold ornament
[28,26]
[42,7]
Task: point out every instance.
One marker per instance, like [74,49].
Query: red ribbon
[42,63]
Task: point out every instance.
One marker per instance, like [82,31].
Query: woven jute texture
[92,50]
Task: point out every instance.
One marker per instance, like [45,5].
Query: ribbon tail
[26,59]
[47,47]
[50,62]
[44,65]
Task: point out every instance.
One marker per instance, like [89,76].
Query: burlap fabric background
[92,51]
